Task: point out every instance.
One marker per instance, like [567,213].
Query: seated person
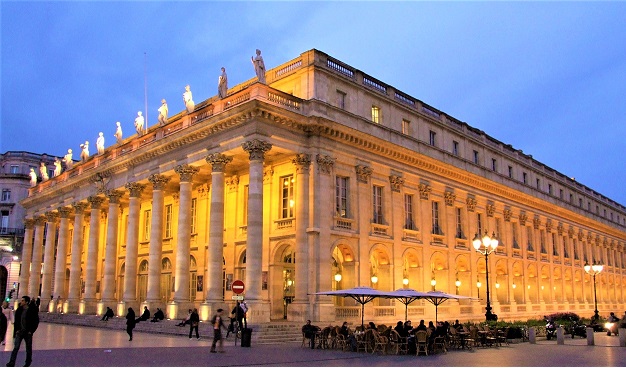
[420,327]
[457,325]
[158,316]
[108,314]
[309,332]
[371,326]
[400,329]
[144,316]
[185,321]
[344,330]
[408,328]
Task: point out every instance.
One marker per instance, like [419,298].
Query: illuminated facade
[324,178]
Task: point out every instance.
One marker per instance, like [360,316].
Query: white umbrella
[438,297]
[406,297]
[361,294]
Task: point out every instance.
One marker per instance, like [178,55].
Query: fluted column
[183,243]
[27,255]
[91,263]
[61,261]
[110,250]
[156,238]
[132,243]
[216,228]
[75,262]
[254,250]
[48,258]
[35,266]
[302,162]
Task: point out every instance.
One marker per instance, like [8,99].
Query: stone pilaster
[61,262]
[35,266]
[110,250]
[156,241]
[302,162]
[181,283]
[91,263]
[27,255]
[73,296]
[48,259]
[132,245]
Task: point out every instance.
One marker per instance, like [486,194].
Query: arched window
[143,280]
[193,278]
[166,280]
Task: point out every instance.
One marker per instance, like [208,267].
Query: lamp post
[486,246]
[593,270]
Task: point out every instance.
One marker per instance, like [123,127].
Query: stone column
[73,296]
[183,241]
[48,260]
[302,162]
[35,266]
[215,254]
[132,246]
[61,261]
[110,250]
[156,241]
[254,251]
[91,263]
[27,255]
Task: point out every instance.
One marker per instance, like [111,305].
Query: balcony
[343,223]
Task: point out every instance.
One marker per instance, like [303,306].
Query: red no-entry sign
[238,286]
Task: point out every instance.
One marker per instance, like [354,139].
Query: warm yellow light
[374,279]
[478,284]
[514,286]
[291,202]
[405,281]
[433,282]
[337,277]
[497,285]
[457,283]
[289,282]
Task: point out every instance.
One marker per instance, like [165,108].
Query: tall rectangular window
[565,248]
[436,227]
[168,221]
[538,184]
[377,204]
[15,169]
[455,148]
[6,194]
[408,212]
[341,196]
[146,225]
[542,241]
[575,248]
[550,189]
[376,114]
[246,189]
[194,214]
[561,193]
[459,223]
[479,224]
[499,234]
[510,171]
[529,236]
[286,197]
[432,138]
[406,127]
[341,99]
[515,235]
[4,221]
[494,164]
[476,157]
[524,178]
[555,246]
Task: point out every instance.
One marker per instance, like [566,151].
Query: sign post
[238,287]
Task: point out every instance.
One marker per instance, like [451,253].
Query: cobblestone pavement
[61,345]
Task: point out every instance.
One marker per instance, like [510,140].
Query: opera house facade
[323,178]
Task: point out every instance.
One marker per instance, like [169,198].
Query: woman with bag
[195,321]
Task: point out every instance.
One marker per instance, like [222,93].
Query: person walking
[26,323]
[194,322]
[218,324]
[130,323]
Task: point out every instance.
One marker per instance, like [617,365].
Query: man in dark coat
[26,323]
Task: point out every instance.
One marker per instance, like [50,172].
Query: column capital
[363,173]
[158,181]
[396,182]
[449,198]
[114,196]
[29,223]
[52,216]
[218,161]
[135,189]
[186,172]
[325,163]
[302,161]
[79,207]
[95,202]
[40,220]
[256,148]
[64,212]
[425,190]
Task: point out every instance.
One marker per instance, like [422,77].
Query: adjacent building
[324,178]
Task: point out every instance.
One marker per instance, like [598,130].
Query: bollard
[622,336]
[560,339]
[532,338]
[590,340]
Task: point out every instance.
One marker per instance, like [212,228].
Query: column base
[181,308]
[71,306]
[300,311]
[121,309]
[209,308]
[259,311]
[88,306]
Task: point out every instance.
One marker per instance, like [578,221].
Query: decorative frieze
[507,214]
[79,207]
[449,198]
[256,148]
[425,190]
[363,173]
[186,172]
[218,161]
[232,183]
[268,173]
[101,180]
[471,204]
[523,217]
[114,196]
[302,162]
[203,190]
[158,181]
[325,163]
[64,212]
[135,189]
[52,216]
[95,201]
[396,182]
[490,209]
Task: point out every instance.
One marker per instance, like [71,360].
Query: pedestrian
[8,314]
[130,323]
[194,322]
[26,323]
[218,324]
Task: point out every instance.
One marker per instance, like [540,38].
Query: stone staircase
[262,333]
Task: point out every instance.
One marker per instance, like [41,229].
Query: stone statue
[222,84]
[84,154]
[57,166]
[33,177]
[43,171]
[69,162]
[139,123]
[259,66]
[188,99]
[118,133]
[163,113]
[100,143]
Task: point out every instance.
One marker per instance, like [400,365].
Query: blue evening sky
[548,78]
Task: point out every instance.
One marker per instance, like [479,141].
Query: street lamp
[486,246]
[593,270]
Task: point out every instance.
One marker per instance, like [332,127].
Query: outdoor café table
[462,338]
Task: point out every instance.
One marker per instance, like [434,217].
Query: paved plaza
[61,345]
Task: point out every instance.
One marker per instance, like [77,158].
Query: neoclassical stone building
[324,171]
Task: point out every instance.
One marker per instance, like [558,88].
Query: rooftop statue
[222,84]
[84,154]
[163,113]
[188,99]
[57,166]
[118,133]
[43,171]
[33,177]
[100,143]
[259,66]
[139,123]
[69,162]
